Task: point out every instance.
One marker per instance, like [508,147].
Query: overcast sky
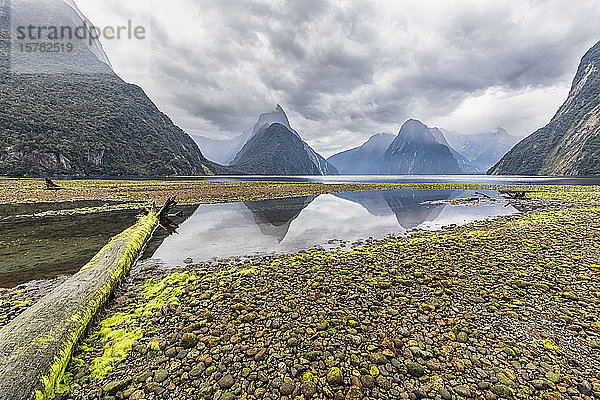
[344,70]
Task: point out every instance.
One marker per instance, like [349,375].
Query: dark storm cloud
[346,69]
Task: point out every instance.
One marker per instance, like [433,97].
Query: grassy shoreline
[19,191]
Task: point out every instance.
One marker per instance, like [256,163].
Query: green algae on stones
[61,317]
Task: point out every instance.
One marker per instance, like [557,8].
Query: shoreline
[247,332]
[173,368]
[27,293]
[32,192]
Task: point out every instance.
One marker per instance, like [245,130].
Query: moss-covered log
[36,347]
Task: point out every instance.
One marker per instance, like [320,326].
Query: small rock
[335,377]
[378,358]
[463,391]
[584,388]
[462,337]
[354,393]
[226,381]
[160,375]
[287,387]
[113,387]
[137,395]
[188,340]
[415,369]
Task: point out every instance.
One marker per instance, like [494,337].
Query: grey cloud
[345,70]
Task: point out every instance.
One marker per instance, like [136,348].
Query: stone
[137,395]
[463,391]
[378,358]
[462,337]
[171,352]
[584,388]
[188,340]
[226,381]
[415,369]
[160,375]
[501,390]
[552,377]
[335,377]
[354,393]
[287,387]
[113,387]
[309,389]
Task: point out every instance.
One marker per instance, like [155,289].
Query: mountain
[415,151]
[222,151]
[68,113]
[570,143]
[366,159]
[482,150]
[466,166]
[275,216]
[276,149]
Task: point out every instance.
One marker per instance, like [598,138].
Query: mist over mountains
[420,150]
[570,143]
[70,114]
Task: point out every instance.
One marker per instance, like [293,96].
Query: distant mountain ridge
[276,149]
[466,166]
[570,143]
[415,151]
[483,150]
[71,115]
[366,159]
[221,151]
[474,154]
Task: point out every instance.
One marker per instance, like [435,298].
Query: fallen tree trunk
[36,347]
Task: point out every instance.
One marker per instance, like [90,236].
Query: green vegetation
[570,143]
[89,125]
[119,332]
[14,191]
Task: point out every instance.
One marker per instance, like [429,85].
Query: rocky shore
[499,309]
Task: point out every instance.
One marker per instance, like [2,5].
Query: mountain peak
[265,120]
[273,147]
[415,131]
[416,151]
[86,56]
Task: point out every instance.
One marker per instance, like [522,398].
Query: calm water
[44,247]
[450,179]
[289,225]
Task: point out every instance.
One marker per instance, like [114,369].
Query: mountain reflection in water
[292,224]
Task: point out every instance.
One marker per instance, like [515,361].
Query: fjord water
[409,179]
[42,247]
[292,224]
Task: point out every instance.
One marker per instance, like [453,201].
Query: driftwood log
[36,347]
[516,195]
[51,185]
